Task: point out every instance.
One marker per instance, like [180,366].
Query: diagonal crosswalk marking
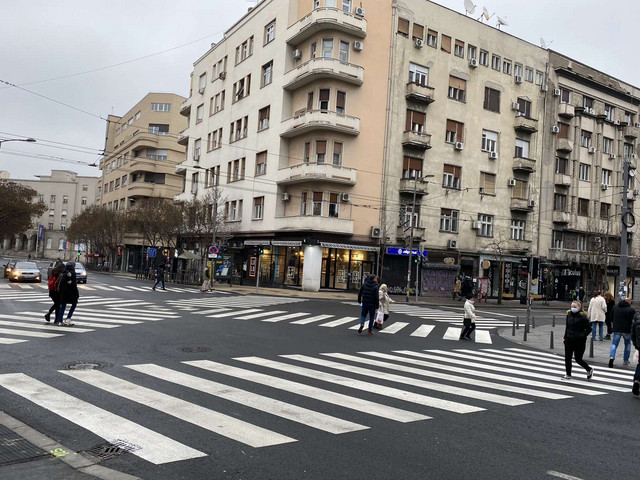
[262,403]
[152,446]
[423,331]
[306,321]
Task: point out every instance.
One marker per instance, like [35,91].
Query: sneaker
[611,363]
[590,374]
[47,317]
[370,332]
[626,363]
[566,377]
[636,388]
[607,337]
[68,323]
[361,327]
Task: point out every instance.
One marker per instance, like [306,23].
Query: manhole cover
[107,451]
[84,365]
[15,449]
[195,349]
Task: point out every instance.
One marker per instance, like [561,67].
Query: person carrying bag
[469,320]
[383,311]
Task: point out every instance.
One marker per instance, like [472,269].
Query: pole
[258,272]
[214,227]
[623,229]
[418,276]
[529,290]
[413,211]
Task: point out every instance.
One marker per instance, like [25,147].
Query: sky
[131,48]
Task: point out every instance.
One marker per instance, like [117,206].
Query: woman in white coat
[597,314]
[385,301]
[469,320]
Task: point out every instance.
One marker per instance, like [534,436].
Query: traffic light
[261,250]
[524,266]
[416,259]
[536,267]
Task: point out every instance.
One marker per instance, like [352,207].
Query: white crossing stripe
[84,287]
[306,321]
[261,314]
[10,341]
[39,319]
[482,336]
[7,323]
[394,327]
[284,317]
[339,321]
[150,312]
[154,447]
[233,314]
[319,394]
[211,420]
[452,333]
[419,399]
[27,333]
[93,317]
[294,413]
[423,331]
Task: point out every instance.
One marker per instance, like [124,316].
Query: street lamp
[628,221]
[411,222]
[30,140]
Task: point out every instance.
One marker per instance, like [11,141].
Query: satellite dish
[485,14]
[469,6]
[501,22]
[544,44]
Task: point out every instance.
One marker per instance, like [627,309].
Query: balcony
[322,19]
[562,180]
[521,205]
[141,189]
[183,138]
[526,125]
[185,107]
[314,223]
[415,92]
[566,110]
[524,165]
[564,145]
[419,233]
[323,69]
[407,184]
[310,120]
[419,140]
[560,217]
[316,172]
[630,132]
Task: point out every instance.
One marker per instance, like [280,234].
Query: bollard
[554,322]
[513,328]
[518,322]
[591,349]
[551,341]
[524,339]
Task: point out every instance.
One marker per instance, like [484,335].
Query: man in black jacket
[368,298]
[622,318]
[635,338]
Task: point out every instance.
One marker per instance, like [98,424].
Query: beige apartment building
[141,154]
[65,194]
[340,131]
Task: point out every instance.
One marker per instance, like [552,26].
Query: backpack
[51,283]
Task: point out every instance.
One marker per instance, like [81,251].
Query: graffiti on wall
[437,281]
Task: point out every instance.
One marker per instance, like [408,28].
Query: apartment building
[66,194]
[141,154]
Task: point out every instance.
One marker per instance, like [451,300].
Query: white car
[25,271]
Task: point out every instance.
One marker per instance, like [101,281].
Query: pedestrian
[469,320]
[608,297]
[575,339]
[622,318]
[369,299]
[581,294]
[68,289]
[635,338]
[29,257]
[457,289]
[597,314]
[160,276]
[54,295]
[385,301]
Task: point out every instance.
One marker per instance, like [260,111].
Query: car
[81,273]
[25,271]
[8,266]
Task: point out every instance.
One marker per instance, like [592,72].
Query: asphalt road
[269,398]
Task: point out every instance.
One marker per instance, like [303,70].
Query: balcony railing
[183,137]
[310,120]
[562,179]
[418,233]
[323,69]
[419,140]
[564,145]
[315,223]
[566,110]
[407,184]
[317,172]
[185,107]
[521,204]
[321,19]
[630,131]
[560,216]
[524,165]
[419,93]
[525,124]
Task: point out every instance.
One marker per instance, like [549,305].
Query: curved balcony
[564,145]
[323,69]
[311,120]
[524,165]
[183,138]
[317,172]
[322,19]
[419,233]
[185,107]
[141,189]
[561,217]
[630,132]
[562,180]
[521,205]
[566,110]
[314,223]
[418,140]
[526,125]
[415,92]
[407,184]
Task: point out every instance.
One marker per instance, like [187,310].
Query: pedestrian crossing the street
[330,393]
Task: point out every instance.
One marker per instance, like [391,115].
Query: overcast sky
[41,40]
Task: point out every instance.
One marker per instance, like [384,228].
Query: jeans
[615,340]
[159,280]
[371,310]
[571,348]
[593,330]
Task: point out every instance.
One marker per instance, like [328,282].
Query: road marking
[452,333]
[394,327]
[233,314]
[88,324]
[27,333]
[153,447]
[40,327]
[482,336]
[319,394]
[93,317]
[339,321]
[285,317]
[269,405]
[260,314]
[306,321]
[423,331]
[10,341]
[562,475]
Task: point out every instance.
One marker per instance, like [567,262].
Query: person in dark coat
[622,318]
[608,320]
[369,298]
[68,288]
[54,295]
[635,339]
[575,339]
[581,294]
[160,276]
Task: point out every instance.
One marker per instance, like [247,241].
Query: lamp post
[627,221]
[411,222]
[30,140]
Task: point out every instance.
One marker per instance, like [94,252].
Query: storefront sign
[253,267]
[449,261]
[405,251]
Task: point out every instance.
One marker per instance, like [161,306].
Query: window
[217,103]
[565,95]
[194,183]
[403,26]
[316,207]
[41,197]
[307,152]
[587,102]
[239,129]
[327,47]
[432,38]
[607,145]
[418,32]
[337,153]
[344,51]
[330,3]
[245,50]
[323,99]
[124,127]
[138,115]
[583,207]
[486,225]
[581,243]
[157,153]
[528,74]
[341,100]
[561,165]
[263,118]
[111,186]
[333,205]
[214,140]
[202,82]
[585,139]
[457,88]
[418,74]
[270,32]
[261,163]
[83,200]
[85,188]
[314,50]
[411,168]
[52,199]
[346,6]
[495,62]
[65,199]
[267,73]
[451,177]
[446,43]
[454,132]
[491,99]
[628,150]
[242,88]
[321,151]
[61,242]
[458,49]
[506,67]
[489,141]
[520,190]
[449,220]
[303,203]
[606,177]
[409,216]
[119,164]
[415,121]
[213,177]
[235,170]
[157,129]
[472,52]
[517,229]
[488,183]
[605,210]
[196,148]
[584,172]
[258,208]
[628,118]
[539,77]
[124,180]
[220,68]
[50,227]
[564,130]
[309,101]
[560,202]
[160,107]
[52,212]
[483,59]
[522,148]
[524,108]
[233,210]
[199,113]
[517,70]
[609,112]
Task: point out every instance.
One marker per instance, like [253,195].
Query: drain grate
[84,365]
[107,451]
[15,449]
[195,349]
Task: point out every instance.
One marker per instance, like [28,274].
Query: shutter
[446,44]
[458,83]
[415,164]
[337,148]
[460,43]
[406,163]
[494,100]
[324,95]
[407,125]
[317,196]
[321,147]
[310,101]
[449,169]
[459,131]
[341,100]
[418,31]
[564,130]
[403,26]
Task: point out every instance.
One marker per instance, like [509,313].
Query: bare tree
[17,207]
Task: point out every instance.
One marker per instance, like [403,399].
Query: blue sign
[152,252]
[40,231]
[405,251]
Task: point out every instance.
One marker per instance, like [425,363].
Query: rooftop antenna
[469,6]
[485,14]
[501,22]
[544,44]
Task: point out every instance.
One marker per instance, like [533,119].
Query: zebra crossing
[19,289]
[450,317]
[331,393]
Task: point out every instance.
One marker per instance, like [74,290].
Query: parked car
[8,266]
[24,272]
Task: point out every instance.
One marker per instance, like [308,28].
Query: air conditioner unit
[555,129]
[452,244]
[518,78]
[285,197]
[222,75]
[359,11]
[459,146]
[512,182]
[556,92]
[376,232]
[297,54]
[612,156]
[358,46]
[481,190]
[476,225]
[345,197]
[616,122]
[604,186]
[633,155]
[473,62]
[532,203]
[636,193]
[637,124]
[201,90]
[196,158]
[515,106]
[590,111]
[493,155]
[543,87]
[419,43]
[592,150]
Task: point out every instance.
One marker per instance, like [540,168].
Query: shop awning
[286,243]
[346,246]
[187,255]
[257,243]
